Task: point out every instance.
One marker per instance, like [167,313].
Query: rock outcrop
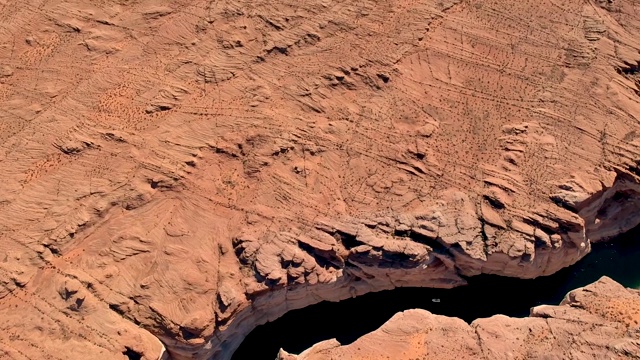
[599,321]
[175,173]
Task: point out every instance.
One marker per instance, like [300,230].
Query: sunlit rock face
[177,172]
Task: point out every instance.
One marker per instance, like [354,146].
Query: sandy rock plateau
[175,173]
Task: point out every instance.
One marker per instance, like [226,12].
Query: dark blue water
[483,297]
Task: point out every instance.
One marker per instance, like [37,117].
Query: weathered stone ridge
[176,172]
[599,321]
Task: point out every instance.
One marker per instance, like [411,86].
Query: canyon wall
[175,173]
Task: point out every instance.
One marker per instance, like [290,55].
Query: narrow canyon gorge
[483,297]
[599,321]
[176,173]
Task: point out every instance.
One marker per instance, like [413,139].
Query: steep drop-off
[177,172]
[484,296]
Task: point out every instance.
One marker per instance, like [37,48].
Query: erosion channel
[484,296]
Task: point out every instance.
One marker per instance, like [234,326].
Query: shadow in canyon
[486,295]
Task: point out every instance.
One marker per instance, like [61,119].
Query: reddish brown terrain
[175,173]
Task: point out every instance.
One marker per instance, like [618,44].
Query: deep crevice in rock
[434,243]
[132,354]
[325,259]
[348,240]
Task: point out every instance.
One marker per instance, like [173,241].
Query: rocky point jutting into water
[599,321]
[175,173]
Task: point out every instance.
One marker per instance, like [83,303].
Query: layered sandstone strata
[178,172]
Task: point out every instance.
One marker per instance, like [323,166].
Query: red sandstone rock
[182,171]
[599,321]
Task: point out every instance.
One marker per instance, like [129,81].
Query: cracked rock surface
[599,321]
[177,172]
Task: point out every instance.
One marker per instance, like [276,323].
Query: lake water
[484,296]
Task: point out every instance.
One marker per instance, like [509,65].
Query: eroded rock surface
[599,321]
[185,170]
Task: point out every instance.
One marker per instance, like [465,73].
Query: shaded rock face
[599,321]
[186,170]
